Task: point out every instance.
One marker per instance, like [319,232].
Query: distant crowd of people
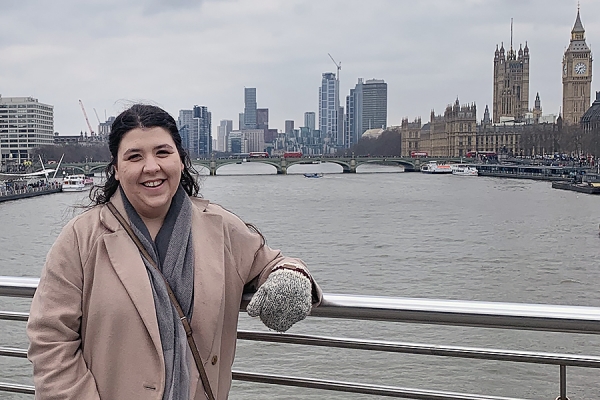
[15,187]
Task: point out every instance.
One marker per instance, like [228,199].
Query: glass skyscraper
[329,108]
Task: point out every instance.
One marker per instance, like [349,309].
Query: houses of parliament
[513,128]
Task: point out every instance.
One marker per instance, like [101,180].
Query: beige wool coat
[93,330]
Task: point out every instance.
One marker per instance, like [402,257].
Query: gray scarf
[173,252]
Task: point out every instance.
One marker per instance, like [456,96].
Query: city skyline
[428,53]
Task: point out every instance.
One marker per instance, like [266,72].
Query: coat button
[214,360]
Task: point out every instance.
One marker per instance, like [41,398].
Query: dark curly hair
[142,116]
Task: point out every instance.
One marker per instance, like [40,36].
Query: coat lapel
[209,278]
[127,262]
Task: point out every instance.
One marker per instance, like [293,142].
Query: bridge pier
[416,168]
[283,170]
[352,169]
[213,168]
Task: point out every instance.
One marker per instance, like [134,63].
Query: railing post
[563,383]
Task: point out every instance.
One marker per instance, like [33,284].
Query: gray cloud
[185,52]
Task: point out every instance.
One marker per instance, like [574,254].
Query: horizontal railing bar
[481,314]
[12,352]
[16,388]
[14,316]
[349,387]
[425,349]
[541,317]
[13,286]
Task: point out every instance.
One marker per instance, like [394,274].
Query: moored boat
[584,187]
[464,170]
[76,183]
[433,167]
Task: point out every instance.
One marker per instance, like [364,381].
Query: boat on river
[464,170]
[313,175]
[77,183]
[587,183]
[584,187]
[433,167]
[536,172]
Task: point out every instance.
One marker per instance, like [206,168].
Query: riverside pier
[16,191]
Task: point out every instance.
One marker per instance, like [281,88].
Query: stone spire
[578,27]
[486,116]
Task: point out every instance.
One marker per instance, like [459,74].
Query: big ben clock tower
[576,75]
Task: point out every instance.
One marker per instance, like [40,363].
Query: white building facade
[246,141]
[25,124]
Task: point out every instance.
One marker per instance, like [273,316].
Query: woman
[102,325]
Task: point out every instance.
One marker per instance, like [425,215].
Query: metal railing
[537,317]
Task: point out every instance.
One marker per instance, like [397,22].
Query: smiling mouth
[153,184]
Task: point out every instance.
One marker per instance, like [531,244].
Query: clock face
[580,68]
[565,69]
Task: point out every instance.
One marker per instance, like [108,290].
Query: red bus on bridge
[418,154]
[480,154]
[292,154]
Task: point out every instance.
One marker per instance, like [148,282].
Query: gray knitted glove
[284,299]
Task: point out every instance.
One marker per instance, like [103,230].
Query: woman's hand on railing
[284,299]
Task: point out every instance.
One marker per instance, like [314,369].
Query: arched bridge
[348,164]
[82,168]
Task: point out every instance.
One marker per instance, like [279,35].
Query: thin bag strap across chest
[182,317]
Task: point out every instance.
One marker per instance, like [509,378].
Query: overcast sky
[181,53]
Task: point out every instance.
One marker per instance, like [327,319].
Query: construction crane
[97,117]
[338,66]
[92,133]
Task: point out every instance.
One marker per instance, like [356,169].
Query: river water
[380,232]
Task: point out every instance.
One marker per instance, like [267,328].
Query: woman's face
[149,169]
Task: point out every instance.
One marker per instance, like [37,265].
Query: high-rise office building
[25,124]
[350,131]
[223,130]
[511,83]
[236,143]
[201,137]
[366,108]
[262,118]
[577,76]
[185,122]
[374,104]
[289,126]
[246,141]
[329,108]
[309,120]
[270,135]
[249,108]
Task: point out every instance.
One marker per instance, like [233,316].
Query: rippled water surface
[392,234]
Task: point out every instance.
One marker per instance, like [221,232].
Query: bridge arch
[214,165]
